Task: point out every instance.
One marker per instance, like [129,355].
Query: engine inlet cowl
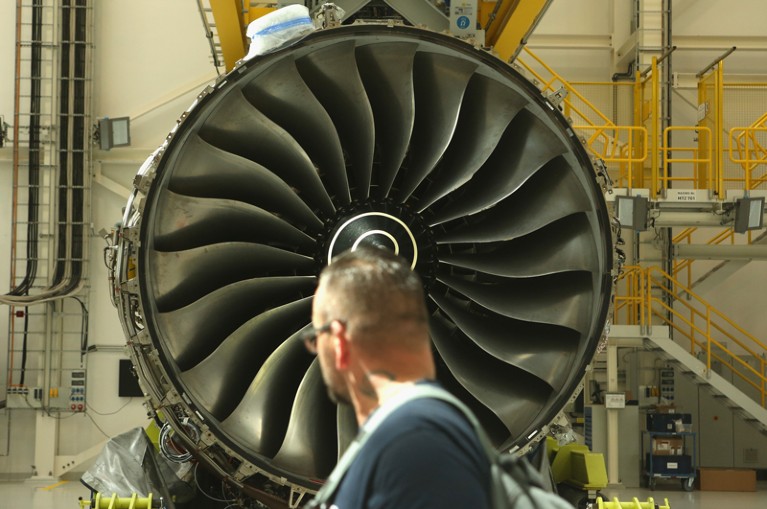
[394,136]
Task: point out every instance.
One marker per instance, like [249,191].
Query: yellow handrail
[648,296]
[748,145]
[702,161]
[548,86]
[612,149]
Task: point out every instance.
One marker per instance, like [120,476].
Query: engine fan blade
[544,199]
[387,72]
[237,122]
[285,98]
[513,394]
[544,351]
[526,147]
[440,82]
[187,223]
[310,448]
[347,427]
[205,171]
[185,276]
[333,77]
[238,358]
[260,420]
[562,246]
[559,299]
[488,109]
[194,331]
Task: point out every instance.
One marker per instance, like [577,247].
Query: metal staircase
[743,406]
[652,306]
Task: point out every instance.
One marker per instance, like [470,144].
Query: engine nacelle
[391,135]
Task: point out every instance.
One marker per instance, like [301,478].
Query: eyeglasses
[310,336]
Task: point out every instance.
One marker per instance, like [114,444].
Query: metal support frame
[44,335]
[613,443]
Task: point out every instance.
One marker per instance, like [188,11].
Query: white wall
[151,58]
[150,61]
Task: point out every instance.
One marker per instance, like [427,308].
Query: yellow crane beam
[508,23]
[512,24]
[229,19]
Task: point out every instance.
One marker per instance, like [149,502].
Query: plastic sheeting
[130,464]
[278,29]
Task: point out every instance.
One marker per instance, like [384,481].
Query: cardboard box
[726,479]
[667,446]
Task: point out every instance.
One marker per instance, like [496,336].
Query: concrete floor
[680,499]
[65,494]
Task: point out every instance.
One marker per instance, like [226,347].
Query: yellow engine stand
[634,504]
[114,502]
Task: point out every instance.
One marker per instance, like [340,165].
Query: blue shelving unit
[670,466]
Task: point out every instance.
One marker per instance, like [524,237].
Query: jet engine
[390,135]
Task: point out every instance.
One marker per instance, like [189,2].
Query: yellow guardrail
[115,502]
[751,154]
[589,115]
[605,142]
[625,145]
[700,159]
[649,296]
[646,153]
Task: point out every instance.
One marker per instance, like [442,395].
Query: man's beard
[338,397]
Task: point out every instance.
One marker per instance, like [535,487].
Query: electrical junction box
[76,401]
[24,397]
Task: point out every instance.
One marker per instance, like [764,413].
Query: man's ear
[340,345]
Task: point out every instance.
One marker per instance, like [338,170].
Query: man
[371,336]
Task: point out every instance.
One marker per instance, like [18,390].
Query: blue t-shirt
[424,455]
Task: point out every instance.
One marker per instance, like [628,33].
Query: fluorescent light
[114,132]
[632,212]
[749,214]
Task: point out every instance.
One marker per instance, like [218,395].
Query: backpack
[514,482]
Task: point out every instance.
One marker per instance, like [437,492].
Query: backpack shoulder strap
[436,392]
[367,429]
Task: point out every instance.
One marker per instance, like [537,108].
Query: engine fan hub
[382,224]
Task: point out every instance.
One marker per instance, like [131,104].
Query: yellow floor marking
[48,488]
